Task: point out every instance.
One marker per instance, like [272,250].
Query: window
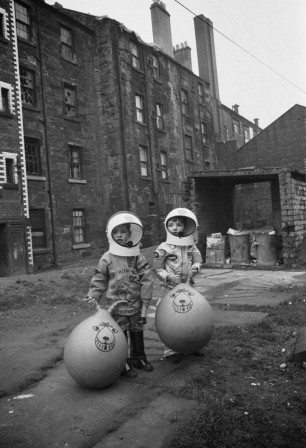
[9,167]
[5,104]
[159,116]
[135,56]
[37,221]
[246,131]
[156,68]
[188,147]
[164,165]
[32,156]
[22,21]
[140,116]
[70,101]
[207,92]
[204,133]
[3,24]
[75,171]
[66,44]
[206,165]
[27,81]
[78,226]
[201,93]
[144,164]
[185,103]
[236,127]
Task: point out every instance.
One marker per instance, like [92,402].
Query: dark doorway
[4,253]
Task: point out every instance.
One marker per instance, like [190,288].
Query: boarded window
[70,101]
[27,81]
[37,221]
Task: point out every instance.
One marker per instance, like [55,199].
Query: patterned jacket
[178,260]
[122,278]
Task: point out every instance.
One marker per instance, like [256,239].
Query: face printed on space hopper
[182,302]
[105,339]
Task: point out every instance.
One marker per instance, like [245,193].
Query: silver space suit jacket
[122,278]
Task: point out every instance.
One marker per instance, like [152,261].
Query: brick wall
[282,144]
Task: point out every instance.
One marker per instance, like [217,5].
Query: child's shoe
[128,371]
[143,364]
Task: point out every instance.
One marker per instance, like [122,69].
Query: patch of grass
[61,291]
[249,394]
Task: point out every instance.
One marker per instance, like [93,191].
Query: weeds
[245,399]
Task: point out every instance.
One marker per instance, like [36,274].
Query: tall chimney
[182,54]
[161,27]
[256,122]
[207,62]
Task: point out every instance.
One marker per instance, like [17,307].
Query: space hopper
[184,318]
[96,350]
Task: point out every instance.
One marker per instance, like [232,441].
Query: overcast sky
[264,84]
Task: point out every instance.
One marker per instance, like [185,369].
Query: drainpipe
[46,138]
[122,124]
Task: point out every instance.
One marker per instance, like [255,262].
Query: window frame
[24,88]
[204,133]
[72,88]
[144,163]
[188,138]
[201,93]
[140,111]
[236,125]
[164,165]
[159,111]
[156,68]
[25,33]
[185,102]
[41,230]
[76,227]
[6,99]
[78,149]
[135,56]
[65,45]
[3,24]
[36,144]
[246,134]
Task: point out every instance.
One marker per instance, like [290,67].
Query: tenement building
[93,121]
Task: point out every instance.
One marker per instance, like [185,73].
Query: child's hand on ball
[91,301]
[175,278]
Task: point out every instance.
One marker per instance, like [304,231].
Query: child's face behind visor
[176,226]
[121,234]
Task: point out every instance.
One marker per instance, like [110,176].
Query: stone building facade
[15,252]
[95,121]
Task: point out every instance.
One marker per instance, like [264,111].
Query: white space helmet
[190,228]
[131,247]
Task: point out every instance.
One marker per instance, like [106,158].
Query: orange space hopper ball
[96,351]
[184,319]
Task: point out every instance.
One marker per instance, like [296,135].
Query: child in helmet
[123,283]
[178,259]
